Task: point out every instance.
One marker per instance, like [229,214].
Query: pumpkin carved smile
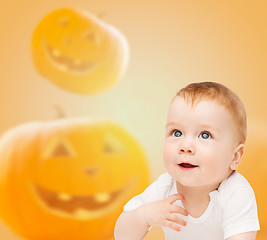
[77,205]
[64,63]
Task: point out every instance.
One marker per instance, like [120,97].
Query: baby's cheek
[167,152]
[216,171]
[169,158]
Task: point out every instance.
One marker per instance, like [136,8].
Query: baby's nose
[186,146]
[183,150]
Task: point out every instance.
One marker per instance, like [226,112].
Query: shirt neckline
[206,212]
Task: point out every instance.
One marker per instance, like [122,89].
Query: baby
[201,196]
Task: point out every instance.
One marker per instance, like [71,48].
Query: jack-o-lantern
[68,179]
[79,52]
[254,168]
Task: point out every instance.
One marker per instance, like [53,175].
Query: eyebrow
[171,123]
[203,126]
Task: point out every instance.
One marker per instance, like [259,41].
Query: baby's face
[200,143]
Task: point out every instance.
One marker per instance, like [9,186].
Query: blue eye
[205,135]
[177,133]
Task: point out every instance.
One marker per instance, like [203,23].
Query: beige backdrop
[172,43]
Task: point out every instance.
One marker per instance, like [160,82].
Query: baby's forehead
[193,103]
[203,107]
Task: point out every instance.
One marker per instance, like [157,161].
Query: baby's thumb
[171,199]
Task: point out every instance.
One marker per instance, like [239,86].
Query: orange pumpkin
[78,52]
[68,179]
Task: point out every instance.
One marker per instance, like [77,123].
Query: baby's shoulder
[234,182]
[165,179]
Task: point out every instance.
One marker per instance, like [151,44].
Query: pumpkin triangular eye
[113,145]
[61,151]
[64,21]
[58,148]
[109,148]
[91,36]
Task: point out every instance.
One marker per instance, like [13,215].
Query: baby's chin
[207,186]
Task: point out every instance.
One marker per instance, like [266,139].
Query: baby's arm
[244,236]
[133,225]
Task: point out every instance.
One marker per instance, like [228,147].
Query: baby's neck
[196,198]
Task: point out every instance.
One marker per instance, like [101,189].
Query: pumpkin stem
[60,112]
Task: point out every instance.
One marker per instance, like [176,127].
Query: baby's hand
[161,213]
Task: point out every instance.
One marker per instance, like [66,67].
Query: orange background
[172,43]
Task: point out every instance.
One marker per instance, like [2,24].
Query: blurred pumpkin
[78,52]
[254,168]
[68,179]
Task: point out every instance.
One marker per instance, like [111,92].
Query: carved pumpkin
[78,52]
[68,179]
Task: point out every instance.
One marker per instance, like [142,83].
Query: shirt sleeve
[158,190]
[147,196]
[240,213]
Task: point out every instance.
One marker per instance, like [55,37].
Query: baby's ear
[238,154]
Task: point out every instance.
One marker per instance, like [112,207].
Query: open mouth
[187,166]
[67,64]
[78,206]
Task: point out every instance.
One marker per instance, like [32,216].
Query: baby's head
[195,92]
[205,134]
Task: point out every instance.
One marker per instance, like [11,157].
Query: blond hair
[196,92]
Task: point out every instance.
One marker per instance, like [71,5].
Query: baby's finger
[178,209]
[171,199]
[176,219]
[172,225]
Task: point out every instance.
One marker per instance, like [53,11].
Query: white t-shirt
[232,209]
